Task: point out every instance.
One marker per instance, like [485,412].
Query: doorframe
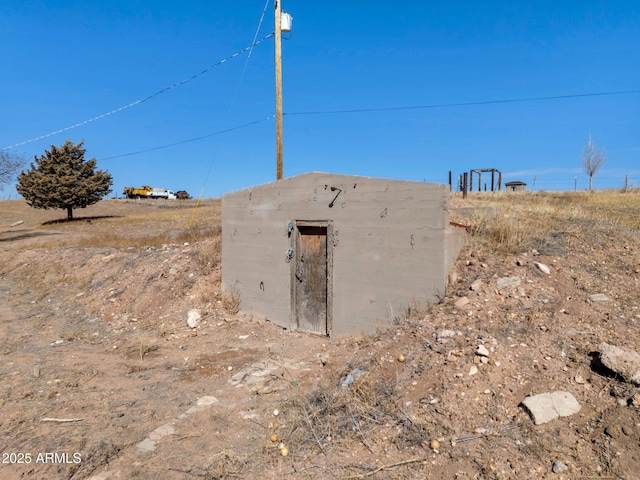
[294,244]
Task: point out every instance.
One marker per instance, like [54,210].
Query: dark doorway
[311,274]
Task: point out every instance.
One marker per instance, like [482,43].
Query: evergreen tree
[62,178]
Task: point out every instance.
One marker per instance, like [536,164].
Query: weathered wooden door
[310,279]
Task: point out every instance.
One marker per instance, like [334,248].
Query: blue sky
[349,70]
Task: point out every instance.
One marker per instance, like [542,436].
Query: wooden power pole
[278,92]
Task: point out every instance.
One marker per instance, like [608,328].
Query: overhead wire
[250,48]
[462,104]
[383,109]
[220,132]
[143,100]
[232,105]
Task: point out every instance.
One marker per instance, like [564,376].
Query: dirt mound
[104,378]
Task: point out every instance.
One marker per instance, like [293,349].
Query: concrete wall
[389,245]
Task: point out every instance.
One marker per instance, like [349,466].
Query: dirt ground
[103,377]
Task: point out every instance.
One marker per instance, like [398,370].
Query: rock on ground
[508,282]
[623,362]
[598,297]
[546,407]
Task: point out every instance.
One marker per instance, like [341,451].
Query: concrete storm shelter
[335,254]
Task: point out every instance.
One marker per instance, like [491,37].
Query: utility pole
[278,91]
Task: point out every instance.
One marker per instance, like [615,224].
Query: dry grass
[337,417]
[227,464]
[140,345]
[231,300]
[182,235]
[209,254]
[517,222]
[126,224]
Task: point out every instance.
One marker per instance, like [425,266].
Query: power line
[384,109]
[463,104]
[235,96]
[238,127]
[143,100]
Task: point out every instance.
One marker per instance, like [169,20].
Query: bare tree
[10,164]
[592,159]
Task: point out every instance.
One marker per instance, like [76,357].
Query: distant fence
[554,182]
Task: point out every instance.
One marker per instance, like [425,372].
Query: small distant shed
[515,186]
[336,254]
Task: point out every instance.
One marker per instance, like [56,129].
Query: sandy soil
[103,378]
